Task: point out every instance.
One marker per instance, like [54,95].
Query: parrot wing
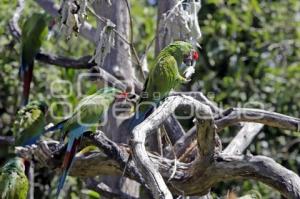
[87,112]
[161,80]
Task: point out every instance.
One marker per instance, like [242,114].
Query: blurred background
[250,54]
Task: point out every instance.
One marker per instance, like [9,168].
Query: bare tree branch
[6,140]
[206,132]
[131,41]
[65,62]
[237,167]
[13,23]
[107,191]
[206,138]
[81,63]
[153,178]
[190,179]
[200,97]
[163,175]
[236,115]
[174,129]
[259,168]
[113,151]
[243,139]
[84,63]
[185,141]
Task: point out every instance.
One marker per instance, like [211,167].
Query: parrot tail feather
[22,69]
[26,73]
[67,163]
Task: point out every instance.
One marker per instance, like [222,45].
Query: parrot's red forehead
[123,95]
[195,55]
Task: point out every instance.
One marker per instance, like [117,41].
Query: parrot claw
[25,152]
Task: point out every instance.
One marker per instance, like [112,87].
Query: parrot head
[17,163]
[122,96]
[190,58]
[185,55]
[40,105]
[42,21]
[113,93]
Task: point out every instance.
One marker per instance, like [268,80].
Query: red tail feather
[27,78]
[67,163]
[69,156]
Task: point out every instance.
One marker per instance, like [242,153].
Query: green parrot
[34,32]
[177,58]
[30,122]
[13,181]
[87,114]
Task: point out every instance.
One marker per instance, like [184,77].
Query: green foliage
[250,58]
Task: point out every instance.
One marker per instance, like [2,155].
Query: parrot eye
[51,24]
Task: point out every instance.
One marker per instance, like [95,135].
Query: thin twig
[131,40]
[104,20]
[13,23]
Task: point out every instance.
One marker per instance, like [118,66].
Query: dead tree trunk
[119,64]
[163,7]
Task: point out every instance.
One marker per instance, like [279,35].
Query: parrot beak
[51,29]
[122,97]
[191,59]
[131,97]
[190,62]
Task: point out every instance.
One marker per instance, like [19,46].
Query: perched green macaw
[30,122]
[88,113]
[175,60]
[13,181]
[34,32]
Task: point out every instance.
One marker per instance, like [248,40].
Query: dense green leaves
[250,58]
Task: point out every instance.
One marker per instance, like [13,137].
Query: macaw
[34,32]
[13,181]
[175,60]
[30,122]
[87,114]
